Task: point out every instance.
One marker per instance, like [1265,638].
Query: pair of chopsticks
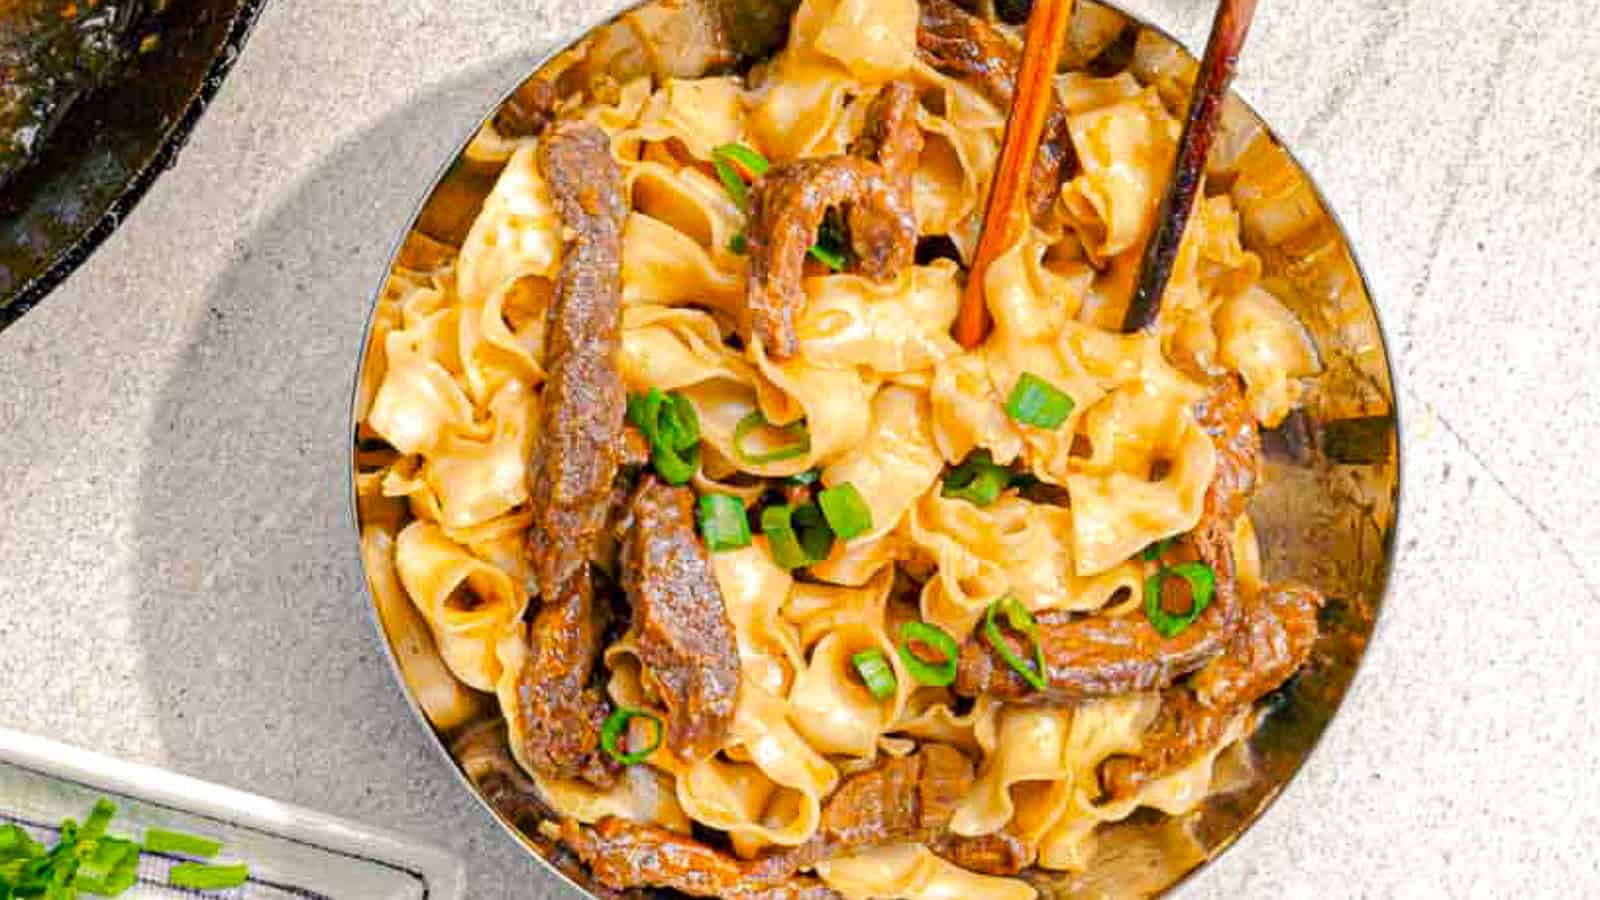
[1005,216]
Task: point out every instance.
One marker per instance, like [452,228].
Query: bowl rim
[570,38]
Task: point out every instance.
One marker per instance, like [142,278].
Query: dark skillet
[111,144]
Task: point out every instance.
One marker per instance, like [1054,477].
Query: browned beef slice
[529,110]
[962,45]
[901,799]
[1278,630]
[905,799]
[484,755]
[680,627]
[575,459]
[561,707]
[1101,655]
[891,137]
[622,854]
[1274,638]
[584,400]
[1000,853]
[786,209]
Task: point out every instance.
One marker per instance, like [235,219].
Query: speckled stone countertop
[180,587]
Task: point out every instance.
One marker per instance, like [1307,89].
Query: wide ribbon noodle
[449,411]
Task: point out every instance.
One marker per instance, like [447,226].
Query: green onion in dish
[815,535]
[160,840]
[799,440]
[829,256]
[797,536]
[723,523]
[1154,552]
[738,166]
[728,160]
[672,427]
[1202,583]
[207,877]
[847,514]
[84,859]
[933,673]
[1037,402]
[875,672]
[977,480]
[1019,620]
[782,540]
[616,727]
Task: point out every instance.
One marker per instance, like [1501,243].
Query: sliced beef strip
[1000,853]
[575,459]
[787,207]
[1275,638]
[904,799]
[560,705]
[965,46]
[484,755]
[680,627]
[529,110]
[891,137]
[1101,655]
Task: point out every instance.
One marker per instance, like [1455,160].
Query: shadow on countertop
[257,643]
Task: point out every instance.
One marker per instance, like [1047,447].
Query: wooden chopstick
[1228,31]
[1005,215]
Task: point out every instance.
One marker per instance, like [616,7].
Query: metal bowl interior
[1327,513]
[111,146]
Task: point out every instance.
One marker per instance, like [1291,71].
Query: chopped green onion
[15,843]
[1202,586]
[1037,402]
[728,159]
[782,541]
[797,536]
[110,867]
[828,256]
[160,840]
[672,427]
[977,480]
[875,673]
[795,431]
[616,725]
[207,877]
[1154,552]
[809,515]
[723,523]
[832,242]
[99,818]
[747,158]
[739,244]
[940,673]
[815,535]
[1021,621]
[847,514]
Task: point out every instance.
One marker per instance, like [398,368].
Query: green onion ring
[977,480]
[875,673]
[1021,621]
[933,674]
[1202,587]
[794,430]
[617,724]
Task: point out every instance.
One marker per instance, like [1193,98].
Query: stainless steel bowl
[1327,513]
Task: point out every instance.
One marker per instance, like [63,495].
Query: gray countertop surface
[181,588]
